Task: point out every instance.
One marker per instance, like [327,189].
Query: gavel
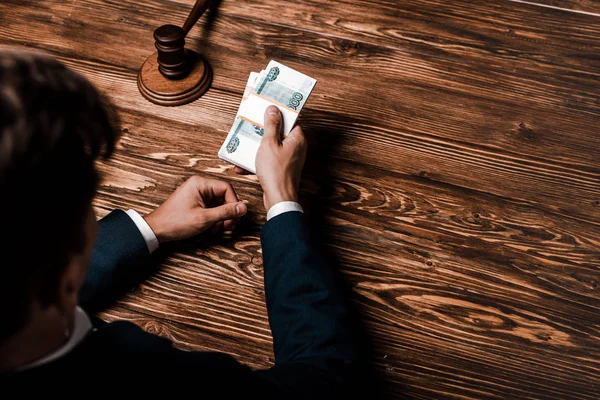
[175,75]
[173,60]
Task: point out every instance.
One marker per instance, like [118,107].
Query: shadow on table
[319,174]
[211,14]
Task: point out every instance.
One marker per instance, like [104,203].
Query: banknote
[286,96]
[282,86]
[241,146]
[253,111]
[285,86]
[276,85]
[249,87]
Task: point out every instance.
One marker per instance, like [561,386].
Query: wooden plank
[476,29]
[446,339]
[431,368]
[414,329]
[454,127]
[591,7]
[189,338]
[480,30]
[402,357]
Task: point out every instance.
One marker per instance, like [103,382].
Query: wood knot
[429,263]
[257,260]
[525,132]
[597,203]
[155,328]
[545,337]
[476,216]
[349,47]
[125,130]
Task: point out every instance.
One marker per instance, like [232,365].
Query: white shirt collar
[81,327]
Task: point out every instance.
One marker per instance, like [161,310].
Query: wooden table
[453,172]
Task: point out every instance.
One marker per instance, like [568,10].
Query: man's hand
[197,205]
[279,161]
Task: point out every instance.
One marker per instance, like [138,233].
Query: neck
[44,333]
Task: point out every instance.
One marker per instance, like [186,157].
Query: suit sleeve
[312,339]
[115,263]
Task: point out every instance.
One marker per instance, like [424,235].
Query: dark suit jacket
[314,350]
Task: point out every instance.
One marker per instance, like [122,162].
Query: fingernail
[272,110]
[240,209]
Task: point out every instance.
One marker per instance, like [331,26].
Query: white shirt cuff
[145,230]
[283,207]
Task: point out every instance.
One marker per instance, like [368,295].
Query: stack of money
[276,85]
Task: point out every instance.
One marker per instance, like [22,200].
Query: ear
[69,285]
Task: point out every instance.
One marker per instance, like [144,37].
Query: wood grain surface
[583,6]
[453,177]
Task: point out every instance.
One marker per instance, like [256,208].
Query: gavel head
[173,62]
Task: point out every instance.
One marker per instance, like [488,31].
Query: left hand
[197,205]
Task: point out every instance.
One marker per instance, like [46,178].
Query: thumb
[224,212]
[273,124]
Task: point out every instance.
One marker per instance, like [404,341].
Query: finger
[221,189]
[229,225]
[273,124]
[217,227]
[241,171]
[224,212]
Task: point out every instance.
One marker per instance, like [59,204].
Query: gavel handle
[195,14]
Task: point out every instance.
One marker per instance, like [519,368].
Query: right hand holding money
[276,85]
[279,161]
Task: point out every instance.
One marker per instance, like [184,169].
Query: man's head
[53,126]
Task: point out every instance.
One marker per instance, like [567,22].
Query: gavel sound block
[175,75]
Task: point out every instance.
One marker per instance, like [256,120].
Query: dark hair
[53,126]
